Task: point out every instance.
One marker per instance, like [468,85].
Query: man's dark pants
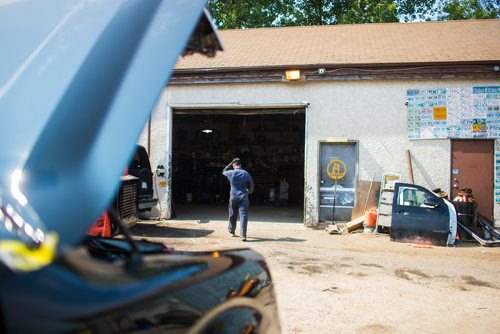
[238,205]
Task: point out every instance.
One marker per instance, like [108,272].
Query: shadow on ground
[154,230]
[251,239]
[203,213]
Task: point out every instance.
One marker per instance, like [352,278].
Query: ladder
[384,215]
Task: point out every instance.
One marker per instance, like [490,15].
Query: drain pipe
[149,136]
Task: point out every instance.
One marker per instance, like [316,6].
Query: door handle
[401,212]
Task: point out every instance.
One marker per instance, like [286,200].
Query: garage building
[327,107]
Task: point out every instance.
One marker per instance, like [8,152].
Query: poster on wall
[338,176]
[337,180]
[439,113]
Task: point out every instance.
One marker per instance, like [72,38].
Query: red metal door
[472,167]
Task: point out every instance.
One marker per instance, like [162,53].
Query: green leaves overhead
[470,9]
[233,14]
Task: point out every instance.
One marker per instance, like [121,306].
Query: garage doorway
[472,167]
[270,143]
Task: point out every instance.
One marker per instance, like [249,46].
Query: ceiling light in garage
[207,130]
[292,75]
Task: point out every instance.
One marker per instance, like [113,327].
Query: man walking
[241,186]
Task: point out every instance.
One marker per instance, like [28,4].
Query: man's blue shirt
[241,181]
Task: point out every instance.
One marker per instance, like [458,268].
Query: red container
[371,218]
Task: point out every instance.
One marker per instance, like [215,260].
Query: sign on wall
[472,112]
[337,180]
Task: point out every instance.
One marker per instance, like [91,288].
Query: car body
[102,226]
[78,81]
[135,194]
[125,204]
[140,167]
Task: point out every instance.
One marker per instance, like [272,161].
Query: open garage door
[270,143]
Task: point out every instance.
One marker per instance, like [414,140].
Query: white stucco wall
[159,146]
[371,112]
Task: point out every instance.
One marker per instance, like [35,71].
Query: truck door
[419,216]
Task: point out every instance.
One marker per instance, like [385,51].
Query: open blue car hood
[78,81]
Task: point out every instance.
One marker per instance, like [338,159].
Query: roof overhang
[329,72]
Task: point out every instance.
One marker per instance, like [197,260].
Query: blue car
[78,81]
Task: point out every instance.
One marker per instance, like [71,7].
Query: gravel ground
[358,283]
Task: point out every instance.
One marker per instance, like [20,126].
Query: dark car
[140,167]
[125,204]
[135,193]
[78,81]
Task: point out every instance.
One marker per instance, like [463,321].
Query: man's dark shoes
[244,239]
[232,234]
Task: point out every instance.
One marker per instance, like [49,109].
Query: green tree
[324,12]
[361,11]
[230,14]
[233,14]
[470,9]
[417,10]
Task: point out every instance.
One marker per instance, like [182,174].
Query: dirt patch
[442,276]
[376,329]
[470,280]
[409,274]
[338,265]
[331,289]
[354,250]
[311,270]
[359,283]
[418,273]
[357,274]
[294,263]
[304,268]
[374,265]
[275,253]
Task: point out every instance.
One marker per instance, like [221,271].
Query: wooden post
[410,168]
[369,193]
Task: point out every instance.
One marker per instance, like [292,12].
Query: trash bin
[467,215]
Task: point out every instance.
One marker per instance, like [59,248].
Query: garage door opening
[270,143]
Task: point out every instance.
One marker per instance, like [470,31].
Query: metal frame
[229,108]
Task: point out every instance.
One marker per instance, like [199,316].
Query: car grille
[127,201]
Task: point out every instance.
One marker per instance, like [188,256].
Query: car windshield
[140,159]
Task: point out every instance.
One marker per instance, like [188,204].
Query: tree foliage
[231,14]
[470,9]
[322,12]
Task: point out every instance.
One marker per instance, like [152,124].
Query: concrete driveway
[358,283]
